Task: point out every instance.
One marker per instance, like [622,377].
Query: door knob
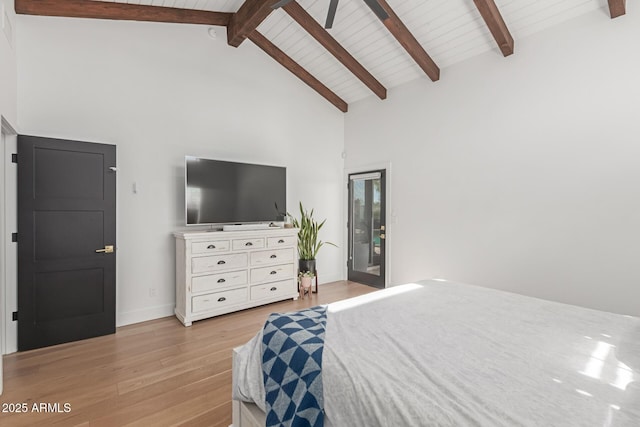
[107,249]
[382,236]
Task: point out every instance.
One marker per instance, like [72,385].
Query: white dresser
[223,271]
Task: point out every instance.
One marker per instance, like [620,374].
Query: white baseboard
[143,315]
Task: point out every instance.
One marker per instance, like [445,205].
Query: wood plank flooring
[155,373]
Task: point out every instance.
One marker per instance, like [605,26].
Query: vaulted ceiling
[361,55]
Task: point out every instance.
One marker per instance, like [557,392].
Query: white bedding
[445,354]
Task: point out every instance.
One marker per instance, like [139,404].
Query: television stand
[246,227]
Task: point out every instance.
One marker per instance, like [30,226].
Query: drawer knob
[221,262]
[221,280]
[273,256]
[211,247]
[221,299]
[280,241]
[274,272]
[248,244]
[274,288]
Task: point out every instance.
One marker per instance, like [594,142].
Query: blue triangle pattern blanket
[292,347]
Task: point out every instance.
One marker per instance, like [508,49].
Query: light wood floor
[156,373]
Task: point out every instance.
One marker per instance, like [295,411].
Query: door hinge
[14,237]
[14,316]
[14,158]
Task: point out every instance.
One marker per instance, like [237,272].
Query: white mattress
[447,354]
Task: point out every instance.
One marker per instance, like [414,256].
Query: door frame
[9,283]
[6,133]
[390,217]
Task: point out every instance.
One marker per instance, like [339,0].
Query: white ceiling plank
[449,30]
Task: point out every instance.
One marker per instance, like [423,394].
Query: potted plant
[285,217]
[306,277]
[308,242]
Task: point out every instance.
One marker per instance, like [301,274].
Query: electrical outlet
[153,292]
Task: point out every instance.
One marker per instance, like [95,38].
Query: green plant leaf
[309,231]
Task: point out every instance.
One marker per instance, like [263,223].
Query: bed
[436,353]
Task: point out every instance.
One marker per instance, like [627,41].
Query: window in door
[367,228]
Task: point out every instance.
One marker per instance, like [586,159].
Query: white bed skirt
[247,415]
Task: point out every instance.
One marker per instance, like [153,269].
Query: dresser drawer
[218,262]
[270,290]
[212,282]
[218,299]
[238,244]
[274,242]
[210,247]
[274,256]
[271,274]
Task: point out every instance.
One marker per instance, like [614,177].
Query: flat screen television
[220,192]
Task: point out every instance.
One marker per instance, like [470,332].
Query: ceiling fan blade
[280,4]
[377,9]
[333,6]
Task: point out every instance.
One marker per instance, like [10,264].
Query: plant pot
[305,282]
[307,265]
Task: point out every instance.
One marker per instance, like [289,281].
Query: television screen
[219,192]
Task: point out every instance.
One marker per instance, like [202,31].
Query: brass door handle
[382,236]
[107,250]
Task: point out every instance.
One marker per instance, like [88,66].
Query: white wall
[2,258]
[8,87]
[519,173]
[162,91]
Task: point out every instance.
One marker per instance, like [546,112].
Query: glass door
[367,228]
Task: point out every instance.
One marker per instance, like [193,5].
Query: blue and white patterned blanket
[292,347]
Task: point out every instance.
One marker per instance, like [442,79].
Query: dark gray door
[367,228]
[66,236]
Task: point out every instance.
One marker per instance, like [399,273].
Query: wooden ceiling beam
[321,35]
[402,34]
[498,28]
[119,11]
[286,61]
[247,18]
[617,8]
